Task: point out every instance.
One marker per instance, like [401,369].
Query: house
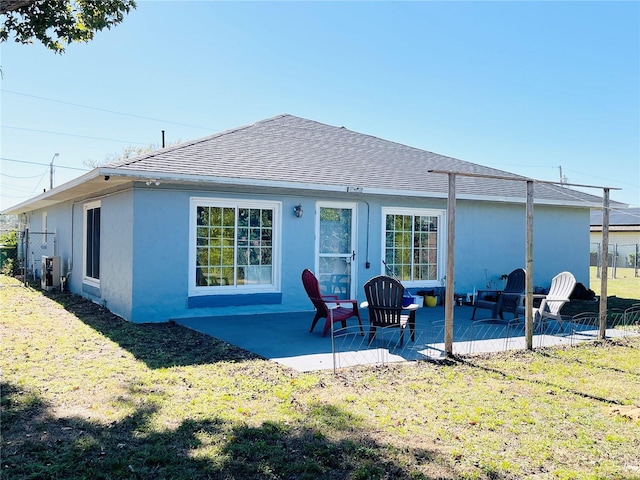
[225,224]
[624,236]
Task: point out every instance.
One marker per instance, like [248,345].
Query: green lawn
[88,395]
[625,285]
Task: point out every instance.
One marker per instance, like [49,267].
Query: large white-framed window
[91,247]
[234,246]
[414,245]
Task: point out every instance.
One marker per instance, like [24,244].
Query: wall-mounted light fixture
[297,210]
[154,181]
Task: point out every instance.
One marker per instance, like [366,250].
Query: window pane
[228,217]
[201,216]
[267,218]
[92,241]
[335,230]
[230,242]
[89,244]
[411,246]
[96,244]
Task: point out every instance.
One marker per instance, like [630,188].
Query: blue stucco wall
[116,253]
[491,241]
[561,242]
[114,292]
[59,223]
[161,253]
[66,220]
[145,248]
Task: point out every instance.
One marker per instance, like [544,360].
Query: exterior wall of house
[116,253]
[490,241]
[56,221]
[144,264]
[561,243]
[116,231]
[161,253]
[66,221]
[161,249]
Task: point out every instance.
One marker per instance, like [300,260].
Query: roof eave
[91,183]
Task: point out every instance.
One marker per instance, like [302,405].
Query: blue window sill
[206,301]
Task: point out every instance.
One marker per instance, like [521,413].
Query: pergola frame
[451,235]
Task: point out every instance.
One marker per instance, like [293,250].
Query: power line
[602,178]
[105,110]
[39,163]
[13,176]
[70,135]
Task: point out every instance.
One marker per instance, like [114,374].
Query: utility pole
[563,179]
[51,171]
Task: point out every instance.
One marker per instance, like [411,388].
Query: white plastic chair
[562,286]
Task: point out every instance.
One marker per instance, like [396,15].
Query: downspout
[367,262]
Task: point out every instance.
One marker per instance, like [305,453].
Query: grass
[625,285]
[88,395]
[622,293]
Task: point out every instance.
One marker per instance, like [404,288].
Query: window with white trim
[234,246]
[91,251]
[414,244]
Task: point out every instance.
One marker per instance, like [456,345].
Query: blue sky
[525,87]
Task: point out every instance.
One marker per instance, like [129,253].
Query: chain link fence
[351,347]
[621,255]
[24,258]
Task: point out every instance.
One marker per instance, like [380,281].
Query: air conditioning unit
[50,277]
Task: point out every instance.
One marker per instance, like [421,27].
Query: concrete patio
[285,338]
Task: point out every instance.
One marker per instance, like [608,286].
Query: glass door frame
[353,206]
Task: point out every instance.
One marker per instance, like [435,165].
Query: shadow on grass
[614,304]
[36,443]
[553,354]
[535,379]
[158,345]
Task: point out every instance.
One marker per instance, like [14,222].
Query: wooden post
[528,329]
[451,240]
[605,263]
[448,336]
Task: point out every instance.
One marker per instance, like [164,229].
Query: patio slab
[285,338]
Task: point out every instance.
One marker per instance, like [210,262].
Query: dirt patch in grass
[632,412]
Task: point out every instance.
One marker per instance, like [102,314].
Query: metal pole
[605,263]
[451,240]
[51,171]
[528,329]
[331,306]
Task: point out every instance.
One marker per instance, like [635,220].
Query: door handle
[353,255]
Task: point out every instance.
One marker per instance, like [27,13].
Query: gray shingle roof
[295,150]
[618,217]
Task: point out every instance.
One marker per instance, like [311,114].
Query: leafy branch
[57,23]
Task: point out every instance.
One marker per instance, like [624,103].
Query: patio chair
[385,303]
[339,314]
[507,301]
[561,287]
